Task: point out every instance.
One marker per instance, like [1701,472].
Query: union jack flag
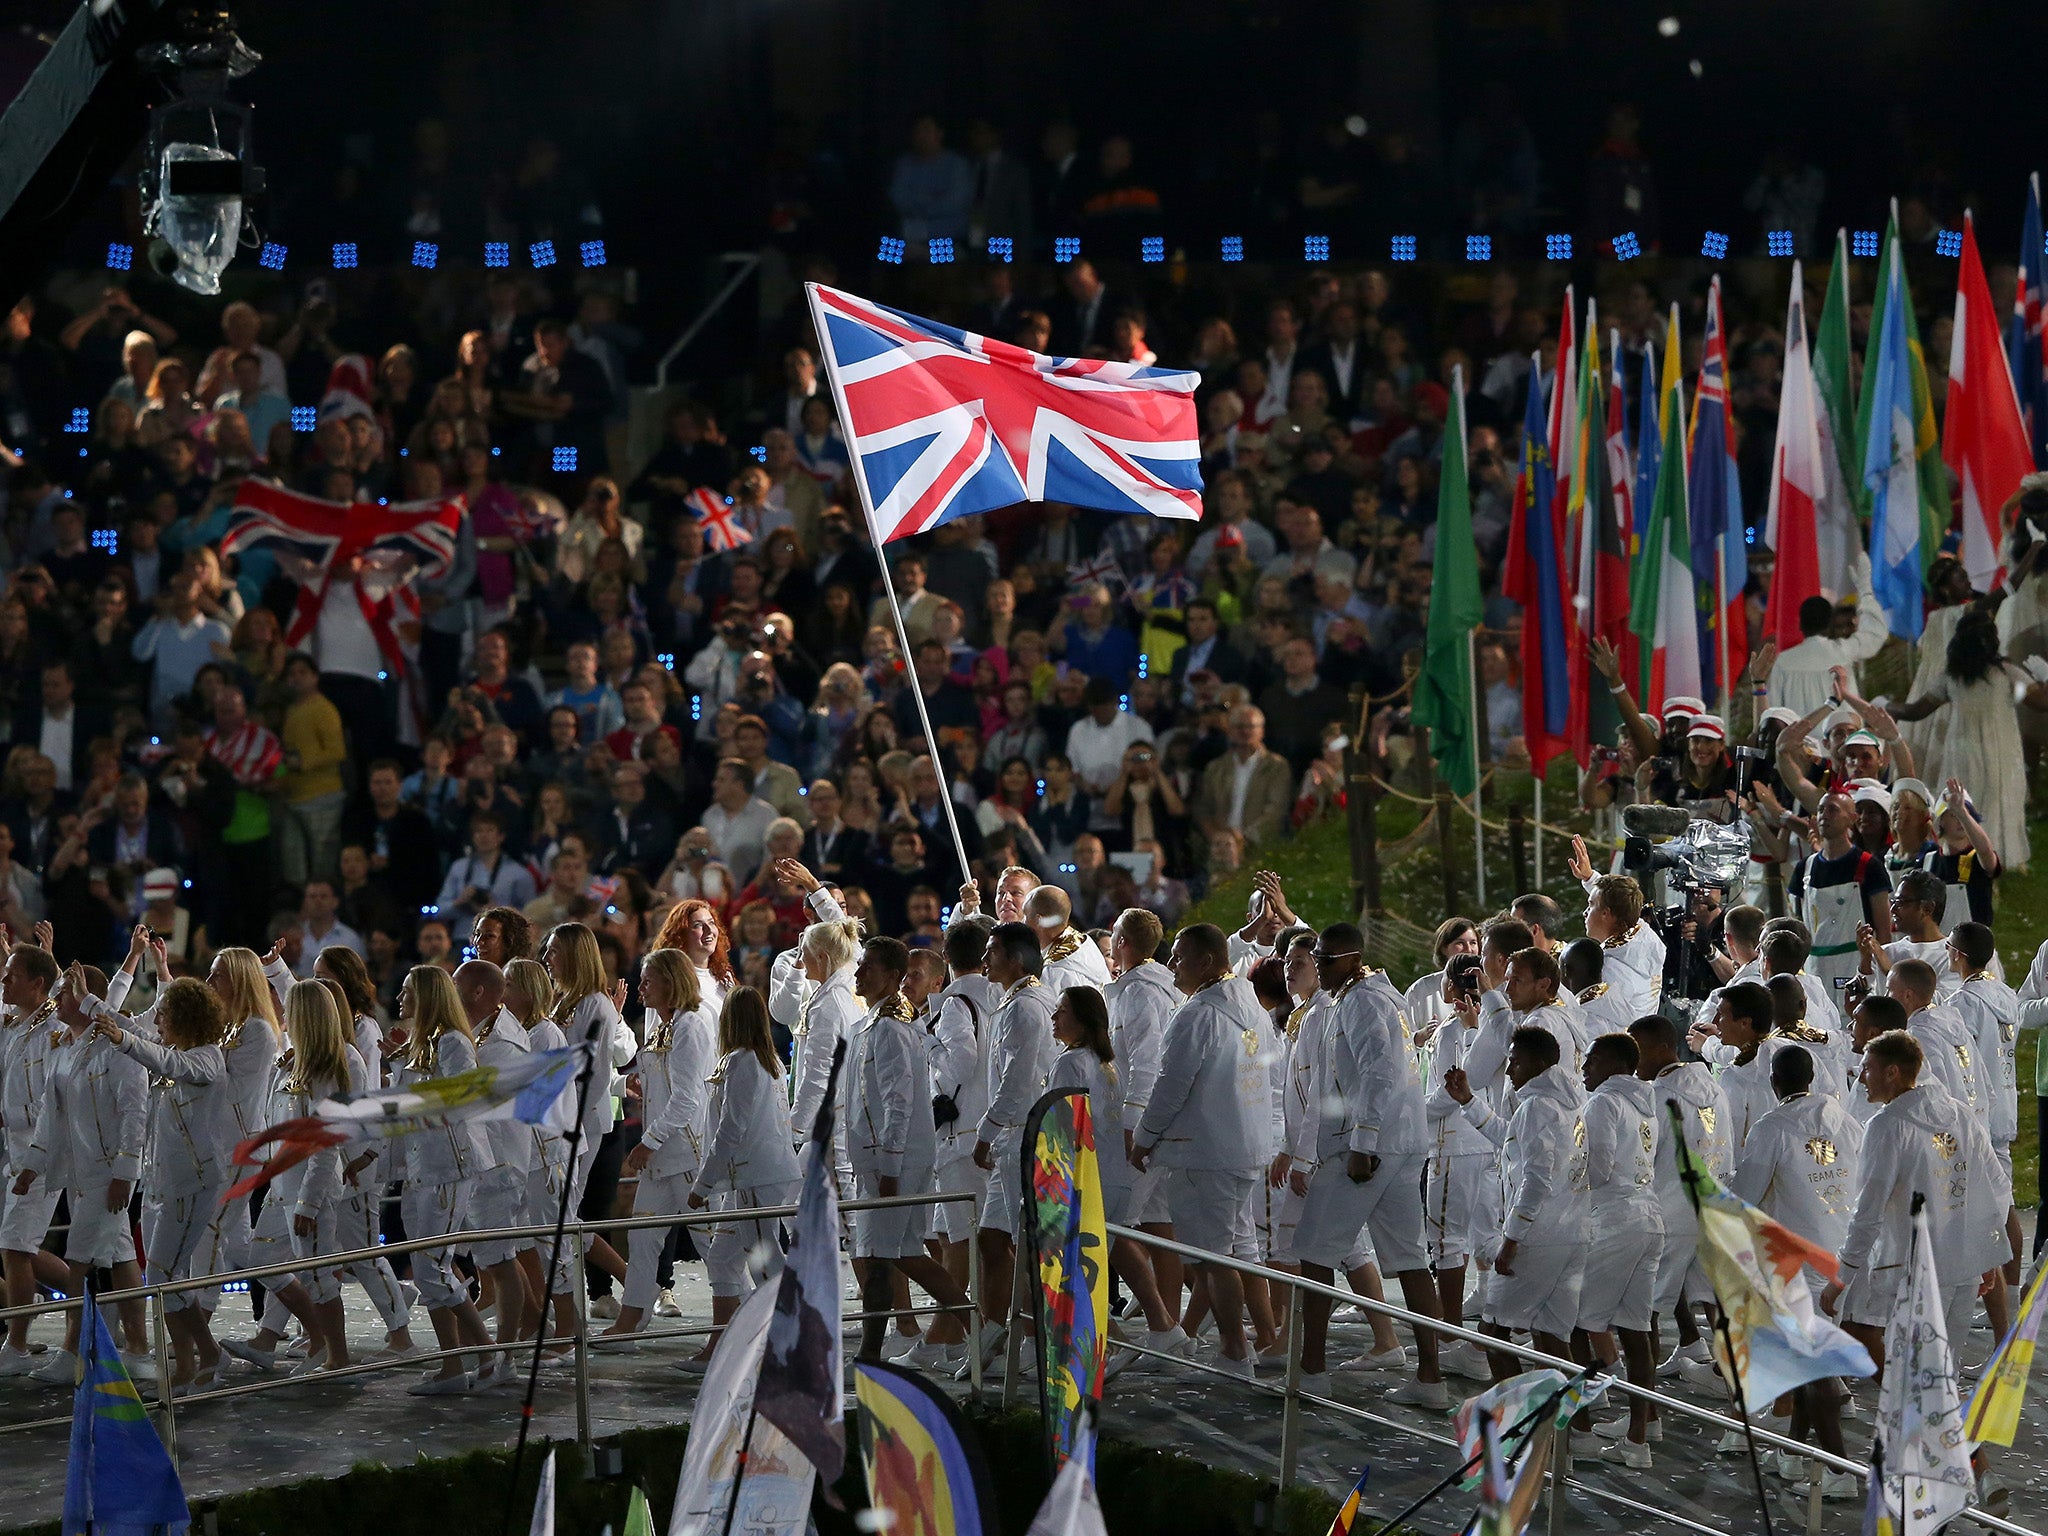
[311,532]
[1103,568]
[714,513]
[942,423]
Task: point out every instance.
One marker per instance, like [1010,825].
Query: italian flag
[1663,608]
[1798,482]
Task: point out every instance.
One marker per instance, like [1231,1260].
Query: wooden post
[1365,782]
[1355,780]
[1445,841]
[1518,848]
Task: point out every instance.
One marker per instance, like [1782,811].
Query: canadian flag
[1984,442]
[1797,472]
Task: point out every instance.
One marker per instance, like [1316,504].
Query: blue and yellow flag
[120,1480]
[1994,1413]
[922,1466]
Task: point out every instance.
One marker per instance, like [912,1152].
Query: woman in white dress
[298,1219]
[584,1012]
[1949,585]
[749,1159]
[440,1167]
[530,995]
[676,1055]
[1980,740]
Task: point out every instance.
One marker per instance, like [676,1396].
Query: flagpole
[1688,1175]
[889,587]
[1548,1405]
[574,1137]
[1478,826]
[739,1467]
[1539,832]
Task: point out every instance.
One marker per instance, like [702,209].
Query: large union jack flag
[942,423]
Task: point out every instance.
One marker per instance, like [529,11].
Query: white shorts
[177,1241]
[1000,1190]
[1871,1296]
[896,1231]
[1338,1208]
[499,1199]
[1620,1285]
[742,1253]
[953,1220]
[436,1210]
[25,1219]
[1458,1208]
[1285,1206]
[1116,1205]
[1148,1207]
[1211,1209]
[1542,1295]
[98,1237]
[1679,1276]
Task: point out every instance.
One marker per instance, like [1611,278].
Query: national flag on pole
[1897,447]
[714,514]
[942,423]
[1984,439]
[1838,537]
[1444,688]
[1720,555]
[536,1089]
[1534,577]
[1798,481]
[1994,1415]
[543,1522]
[1928,1480]
[1591,527]
[798,1390]
[1616,548]
[1775,1340]
[2026,343]
[1347,1512]
[1506,1500]
[1561,426]
[119,1480]
[1642,496]
[1662,613]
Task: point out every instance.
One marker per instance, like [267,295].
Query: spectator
[402,843]
[736,820]
[309,785]
[1249,790]
[1093,642]
[320,927]
[179,640]
[931,189]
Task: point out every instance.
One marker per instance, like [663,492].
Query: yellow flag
[1667,382]
[1994,1413]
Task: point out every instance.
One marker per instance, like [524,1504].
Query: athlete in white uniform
[1618,1293]
[1916,908]
[26,1034]
[1948,1048]
[1614,917]
[1603,1005]
[1461,1204]
[1019,1053]
[959,1021]
[1703,1110]
[1801,1166]
[1991,1010]
[1372,1148]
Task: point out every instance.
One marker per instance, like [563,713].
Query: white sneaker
[1627,1453]
[1696,1350]
[1247,1368]
[1840,1487]
[666,1305]
[1395,1359]
[16,1362]
[1702,1374]
[458,1385]
[60,1370]
[1316,1383]
[898,1346]
[994,1343]
[1731,1443]
[141,1365]
[927,1356]
[1617,1429]
[1174,1341]
[1466,1360]
[606,1307]
[1422,1394]
[244,1350]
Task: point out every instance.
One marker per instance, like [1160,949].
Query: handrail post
[1813,1496]
[580,1298]
[976,1285]
[1290,1404]
[162,1351]
[1560,1473]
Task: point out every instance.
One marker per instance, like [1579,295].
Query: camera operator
[1701,778]
[1690,950]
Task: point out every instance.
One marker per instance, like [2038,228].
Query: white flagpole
[889,586]
[1537,872]
[1478,826]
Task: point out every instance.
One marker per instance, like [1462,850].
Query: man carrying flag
[1984,439]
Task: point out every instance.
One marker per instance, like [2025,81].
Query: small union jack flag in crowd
[943,423]
[714,513]
[603,890]
[1102,568]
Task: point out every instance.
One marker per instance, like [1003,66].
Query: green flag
[1838,418]
[639,1518]
[1932,473]
[1443,690]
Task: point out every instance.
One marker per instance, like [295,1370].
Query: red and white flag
[1984,441]
[1798,477]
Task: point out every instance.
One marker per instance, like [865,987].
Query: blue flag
[120,1480]
[1891,471]
[1649,444]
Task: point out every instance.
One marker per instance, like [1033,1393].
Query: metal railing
[581,1344]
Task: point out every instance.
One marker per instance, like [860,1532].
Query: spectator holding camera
[1144,803]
